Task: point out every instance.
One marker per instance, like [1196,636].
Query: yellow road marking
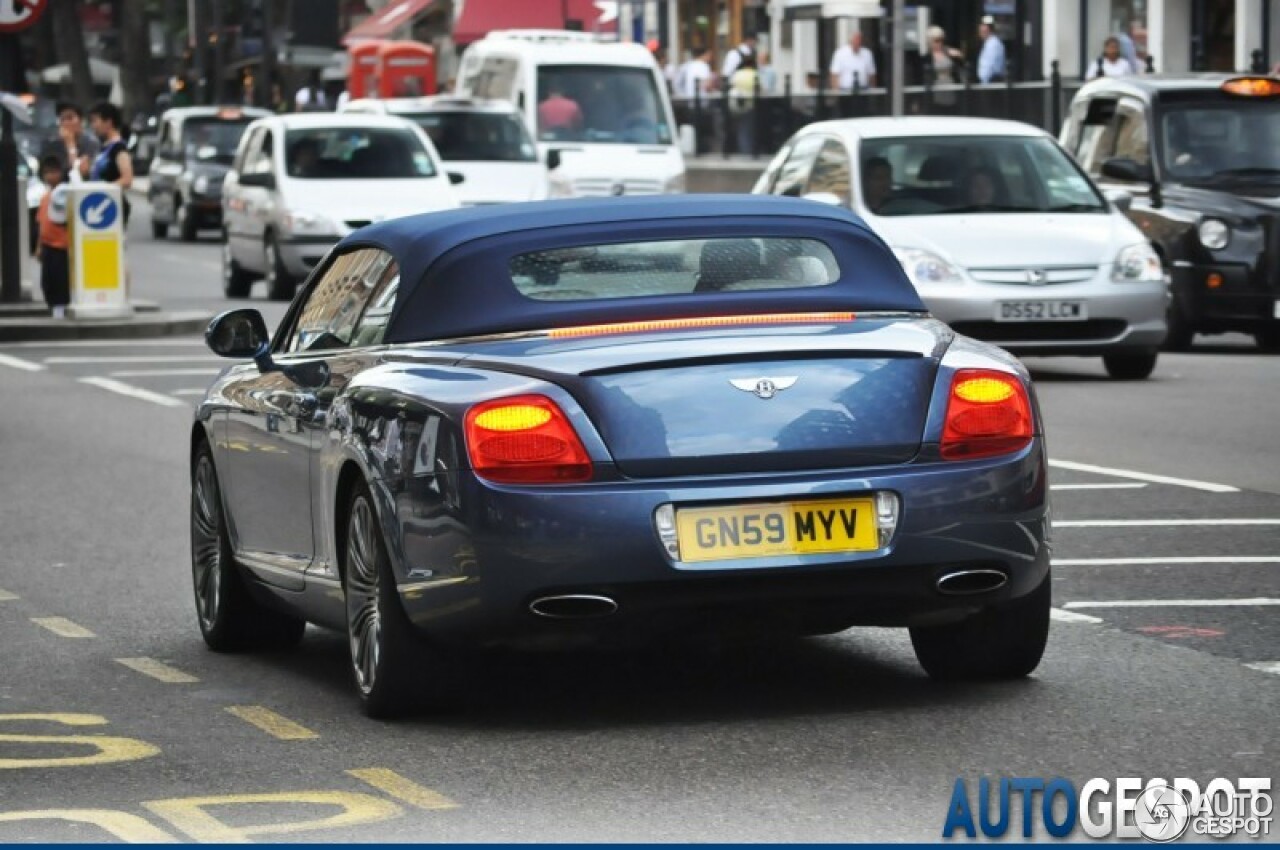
[189,814]
[109,749]
[6,596]
[158,670]
[121,825]
[63,627]
[405,790]
[271,723]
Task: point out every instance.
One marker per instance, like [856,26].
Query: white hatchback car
[1004,237]
[302,182]
[483,140]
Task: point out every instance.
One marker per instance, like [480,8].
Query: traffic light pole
[10,261]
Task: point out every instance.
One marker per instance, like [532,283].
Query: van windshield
[604,104]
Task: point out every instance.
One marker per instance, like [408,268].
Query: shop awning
[388,19]
[812,10]
[480,17]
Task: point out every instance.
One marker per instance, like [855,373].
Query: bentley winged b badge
[765,387]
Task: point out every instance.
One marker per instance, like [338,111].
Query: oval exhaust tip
[968,582]
[574,606]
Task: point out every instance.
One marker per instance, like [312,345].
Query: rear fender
[966,353]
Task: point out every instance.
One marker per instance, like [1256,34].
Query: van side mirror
[1120,199]
[553,159]
[456,177]
[262,179]
[1128,170]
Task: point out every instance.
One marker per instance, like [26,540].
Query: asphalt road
[1164,659]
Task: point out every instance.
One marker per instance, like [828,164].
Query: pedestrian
[695,77]
[744,55]
[311,97]
[113,163]
[1111,62]
[278,105]
[1129,47]
[74,147]
[768,76]
[51,247]
[853,66]
[742,102]
[991,59]
[943,66]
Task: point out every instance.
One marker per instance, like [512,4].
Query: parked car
[1004,237]
[483,140]
[300,183]
[769,436]
[1201,156]
[194,153]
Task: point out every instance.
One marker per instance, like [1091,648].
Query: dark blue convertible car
[615,421]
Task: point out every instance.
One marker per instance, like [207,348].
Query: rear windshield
[356,153]
[212,139]
[673,267]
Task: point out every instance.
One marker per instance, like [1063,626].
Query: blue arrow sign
[98,210]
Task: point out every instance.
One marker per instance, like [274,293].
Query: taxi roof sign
[1252,86]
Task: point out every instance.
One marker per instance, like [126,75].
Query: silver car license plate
[1041,311]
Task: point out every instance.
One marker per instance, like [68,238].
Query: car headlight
[1214,234]
[201,184]
[1137,263]
[308,224]
[925,267]
[674,185]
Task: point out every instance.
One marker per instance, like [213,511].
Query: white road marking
[161,373]
[19,363]
[190,392]
[134,392]
[1062,616]
[1144,476]
[158,670]
[189,261]
[1174,603]
[1156,523]
[1117,486]
[135,358]
[1171,561]
[1265,667]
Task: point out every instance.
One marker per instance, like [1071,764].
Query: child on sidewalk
[55,273]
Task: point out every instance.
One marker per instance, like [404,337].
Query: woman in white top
[1110,63]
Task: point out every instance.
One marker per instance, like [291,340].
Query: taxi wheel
[186,221]
[1000,643]
[393,668]
[236,282]
[159,230]
[230,618]
[1269,340]
[280,284]
[1130,366]
[1181,333]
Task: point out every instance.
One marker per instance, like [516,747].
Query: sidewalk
[31,321]
[718,173]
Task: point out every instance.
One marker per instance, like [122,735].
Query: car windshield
[356,153]
[1213,140]
[212,139]
[673,267]
[600,103]
[476,136]
[976,174]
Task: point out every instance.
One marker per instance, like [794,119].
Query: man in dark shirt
[74,147]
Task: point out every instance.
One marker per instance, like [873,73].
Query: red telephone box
[362,75]
[405,69]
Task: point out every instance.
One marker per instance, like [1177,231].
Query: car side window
[831,171]
[770,176]
[795,171]
[260,159]
[1097,135]
[1132,136]
[335,302]
[377,312]
[246,150]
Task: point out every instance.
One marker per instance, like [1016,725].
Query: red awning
[479,17]
[384,22]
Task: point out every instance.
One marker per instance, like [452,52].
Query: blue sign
[98,210]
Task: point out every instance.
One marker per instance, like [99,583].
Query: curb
[148,324]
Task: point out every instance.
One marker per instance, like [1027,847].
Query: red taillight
[524,439]
[988,413]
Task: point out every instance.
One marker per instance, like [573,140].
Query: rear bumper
[1121,316]
[300,254]
[469,573]
[1234,305]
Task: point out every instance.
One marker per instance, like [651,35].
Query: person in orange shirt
[55,273]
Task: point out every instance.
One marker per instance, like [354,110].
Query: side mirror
[824,198]
[238,333]
[553,159]
[1120,199]
[262,179]
[1128,170]
[456,177]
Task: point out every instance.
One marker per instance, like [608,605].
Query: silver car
[1004,237]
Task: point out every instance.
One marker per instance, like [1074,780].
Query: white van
[599,110]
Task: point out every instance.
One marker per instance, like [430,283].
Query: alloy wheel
[206,543]
[364,616]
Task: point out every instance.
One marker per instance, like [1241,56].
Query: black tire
[1268,340]
[159,230]
[1005,642]
[187,229]
[230,619]
[236,282]
[394,670]
[280,284]
[1181,332]
[1130,365]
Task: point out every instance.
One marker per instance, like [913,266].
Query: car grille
[1091,330]
[603,186]
[1029,275]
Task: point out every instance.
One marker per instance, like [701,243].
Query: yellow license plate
[776,529]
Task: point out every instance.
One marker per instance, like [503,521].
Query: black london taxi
[1200,154]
